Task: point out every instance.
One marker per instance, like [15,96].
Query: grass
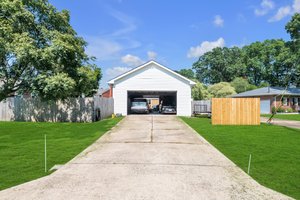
[295,117]
[275,151]
[22,146]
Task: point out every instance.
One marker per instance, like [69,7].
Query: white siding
[152,78]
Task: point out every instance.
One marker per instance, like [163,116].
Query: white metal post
[45,153]
[249,164]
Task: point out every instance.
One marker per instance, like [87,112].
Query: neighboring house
[271,97]
[106,93]
[152,80]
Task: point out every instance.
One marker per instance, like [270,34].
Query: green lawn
[275,151]
[22,146]
[295,117]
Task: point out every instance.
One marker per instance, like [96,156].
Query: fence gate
[236,111]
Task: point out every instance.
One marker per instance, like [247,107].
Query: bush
[289,110]
[280,110]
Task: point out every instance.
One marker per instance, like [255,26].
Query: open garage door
[154,98]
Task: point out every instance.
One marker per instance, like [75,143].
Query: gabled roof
[112,81]
[266,91]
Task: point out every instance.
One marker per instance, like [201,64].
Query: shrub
[280,110]
[289,110]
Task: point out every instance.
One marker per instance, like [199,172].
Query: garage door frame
[147,92]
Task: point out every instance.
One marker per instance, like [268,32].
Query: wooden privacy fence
[71,110]
[236,111]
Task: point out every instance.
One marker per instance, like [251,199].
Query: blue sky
[126,33]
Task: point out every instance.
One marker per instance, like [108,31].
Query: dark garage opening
[169,98]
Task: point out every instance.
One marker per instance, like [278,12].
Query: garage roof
[112,81]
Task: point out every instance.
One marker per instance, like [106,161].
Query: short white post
[249,164]
[45,153]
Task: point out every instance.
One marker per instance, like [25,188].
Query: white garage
[152,80]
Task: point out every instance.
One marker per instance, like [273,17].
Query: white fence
[203,106]
[71,110]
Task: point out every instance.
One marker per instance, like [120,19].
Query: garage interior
[169,98]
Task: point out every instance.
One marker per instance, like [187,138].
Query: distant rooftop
[265,91]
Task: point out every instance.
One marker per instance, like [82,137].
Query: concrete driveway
[146,157]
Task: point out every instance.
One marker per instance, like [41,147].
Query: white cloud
[204,47]
[218,21]
[109,46]
[296,6]
[102,48]
[281,13]
[151,55]
[284,11]
[131,60]
[115,71]
[128,23]
[265,7]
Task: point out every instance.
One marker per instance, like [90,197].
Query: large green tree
[293,28]
[241,85]
[41,53]
[222,89]
[188,73]
[271,62]
[220,64]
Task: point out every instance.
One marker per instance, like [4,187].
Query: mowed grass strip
[275,151]
[294,117]
[22,146]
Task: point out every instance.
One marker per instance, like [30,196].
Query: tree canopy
[188,73]
[222,89]
[241,85]
[271,62]
[200,92]
[40,53]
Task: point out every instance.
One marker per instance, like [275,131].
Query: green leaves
[38,41]
[241,85]
[188,73]
[275,62]
[199,92]
[220,64]
[59,86]
[222,89]
[293,27]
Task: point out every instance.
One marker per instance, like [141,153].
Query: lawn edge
[63,165]
[235,165]
[89,148]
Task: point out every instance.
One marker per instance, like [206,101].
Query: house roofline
[266,94]
[112,81]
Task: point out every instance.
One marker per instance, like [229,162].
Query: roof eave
[112,81]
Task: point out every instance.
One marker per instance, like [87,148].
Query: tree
[220,64]
[88,80]
[39,50]
[199,91]
[188,73]
[222,89]
[254,61]
[240,84]
[293,28]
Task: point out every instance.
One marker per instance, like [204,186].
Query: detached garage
[152,81]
